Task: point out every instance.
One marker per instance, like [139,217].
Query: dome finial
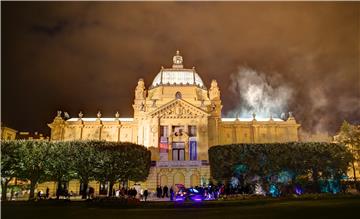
[177,60]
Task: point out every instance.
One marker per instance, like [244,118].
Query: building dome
[177,75]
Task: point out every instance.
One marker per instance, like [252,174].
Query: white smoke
[258,94]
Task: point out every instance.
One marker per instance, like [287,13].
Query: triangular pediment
[178,108]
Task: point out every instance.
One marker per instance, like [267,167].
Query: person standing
[165,193]
[146,193]
[135,193]
[39,195]
[47,194]
[158,192]
[171,194]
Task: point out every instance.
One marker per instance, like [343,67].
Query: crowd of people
[129,192]
[162,192]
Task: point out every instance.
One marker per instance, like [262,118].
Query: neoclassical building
[178,118]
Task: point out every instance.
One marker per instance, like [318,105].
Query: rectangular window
[192,130]
[182,154]
[175,154]
[164,131]
[178,151]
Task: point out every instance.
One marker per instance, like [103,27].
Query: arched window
[178,95]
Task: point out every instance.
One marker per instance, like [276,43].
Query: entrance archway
[179,178]
[163,180]
[194,180]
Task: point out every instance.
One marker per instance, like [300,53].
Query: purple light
[179,198]
[298,190]
[196,198]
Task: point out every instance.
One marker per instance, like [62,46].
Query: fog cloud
[255,93]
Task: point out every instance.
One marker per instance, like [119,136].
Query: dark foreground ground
[330,208]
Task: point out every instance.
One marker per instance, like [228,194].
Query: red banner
[164,146]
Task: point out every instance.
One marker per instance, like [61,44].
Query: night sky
[88,56]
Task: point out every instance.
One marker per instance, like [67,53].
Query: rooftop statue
[214,92]
[140,90]
[66,115]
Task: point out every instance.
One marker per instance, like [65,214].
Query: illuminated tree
[85,161]
[34,158]
[120,162]
[10,157]
[61,166]
[350,136]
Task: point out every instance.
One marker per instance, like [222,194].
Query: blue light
[234,182]
[274,191]
[330,186]
[240,169]
[285,176]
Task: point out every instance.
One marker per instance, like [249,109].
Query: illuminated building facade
[7,133]
[178,119]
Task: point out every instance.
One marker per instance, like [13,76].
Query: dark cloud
[50,30]
[89,55]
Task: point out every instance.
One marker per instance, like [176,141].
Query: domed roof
[177,75]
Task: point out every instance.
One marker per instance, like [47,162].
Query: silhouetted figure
[91,192]
[165,192]
[39,194]
[146,193]
[171,194]
[134,192]
[58,193]
[66,194]
[47,194]
[158,192]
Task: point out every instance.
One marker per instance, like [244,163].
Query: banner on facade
[164,145]
[193,148]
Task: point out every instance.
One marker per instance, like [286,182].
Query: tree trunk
[124,184]
[315,176]
[12,189]
[58,190]
[4,186]
[354,170]
[32,190]
[84,191]
[111,185]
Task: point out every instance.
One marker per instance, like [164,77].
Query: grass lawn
[328,208]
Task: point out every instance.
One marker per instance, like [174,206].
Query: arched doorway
[163,180]
[194,180]
[179,178]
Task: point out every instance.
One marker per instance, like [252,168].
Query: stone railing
[180,163]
